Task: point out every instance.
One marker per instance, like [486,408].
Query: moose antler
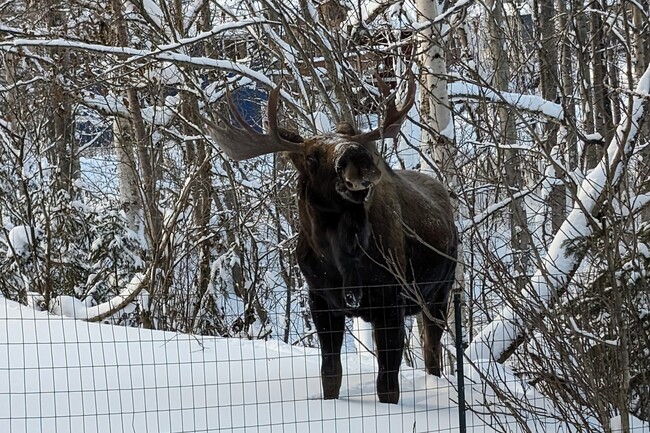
[245,143]
[394,117]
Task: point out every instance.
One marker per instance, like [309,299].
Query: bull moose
[374,242]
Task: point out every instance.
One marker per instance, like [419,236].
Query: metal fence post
[460,373]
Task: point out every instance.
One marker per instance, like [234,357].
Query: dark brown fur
[355,246]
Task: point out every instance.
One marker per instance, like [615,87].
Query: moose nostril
[366,183]
[349,184]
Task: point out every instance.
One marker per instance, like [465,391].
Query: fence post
[460,373]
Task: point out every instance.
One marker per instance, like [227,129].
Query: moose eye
[312,161]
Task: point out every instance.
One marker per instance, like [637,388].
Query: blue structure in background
[249,101]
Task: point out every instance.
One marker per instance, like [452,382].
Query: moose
[374,243]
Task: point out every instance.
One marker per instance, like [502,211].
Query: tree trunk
[127,169]
[438,140]
[567,85]
[640,16]
[64,152]
[602,119]
[127,176]
[144,170]
[510,159]
[548,73]
[147,168]
[197,154]
[10,61]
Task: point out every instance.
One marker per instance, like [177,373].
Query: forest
[118,206]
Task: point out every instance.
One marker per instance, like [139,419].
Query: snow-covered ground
[63,375]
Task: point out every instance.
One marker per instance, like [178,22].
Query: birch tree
[437,138]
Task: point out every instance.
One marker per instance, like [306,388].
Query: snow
[596,136]
[63,375]
[226,28]
[363,339]
[68,306]
[20,240]
[164,73]
[60,374]
[457,7]
[107,104]
[448,131]
[137,54]
[153,11]
[590,336]
[616,425]
[465,225]
[530,103]
[161,116]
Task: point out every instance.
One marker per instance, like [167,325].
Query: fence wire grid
[60,375]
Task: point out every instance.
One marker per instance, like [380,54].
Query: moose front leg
[389,338]
[329,326]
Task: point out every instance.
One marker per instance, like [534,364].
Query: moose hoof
[389,397]
[330,391]
[330,396]
[352,299]
[388,387]
[331,386]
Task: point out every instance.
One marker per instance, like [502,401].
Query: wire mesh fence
[59,374]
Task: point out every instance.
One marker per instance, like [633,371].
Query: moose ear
[345,128]
[297,158]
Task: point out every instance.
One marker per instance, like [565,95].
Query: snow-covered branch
[110,307]
[133,54]
[456,8]
[498,338]
[532,103]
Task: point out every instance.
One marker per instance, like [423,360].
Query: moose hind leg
[389,338]
[330,328]
[434,325]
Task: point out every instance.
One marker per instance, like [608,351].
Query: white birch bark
[435,107]
[127,177]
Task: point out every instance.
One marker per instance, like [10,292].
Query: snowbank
[63,375]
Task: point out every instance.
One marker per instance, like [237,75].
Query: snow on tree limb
[497,340]
[116,304]
[138,54]
[529,103]
[457,8]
